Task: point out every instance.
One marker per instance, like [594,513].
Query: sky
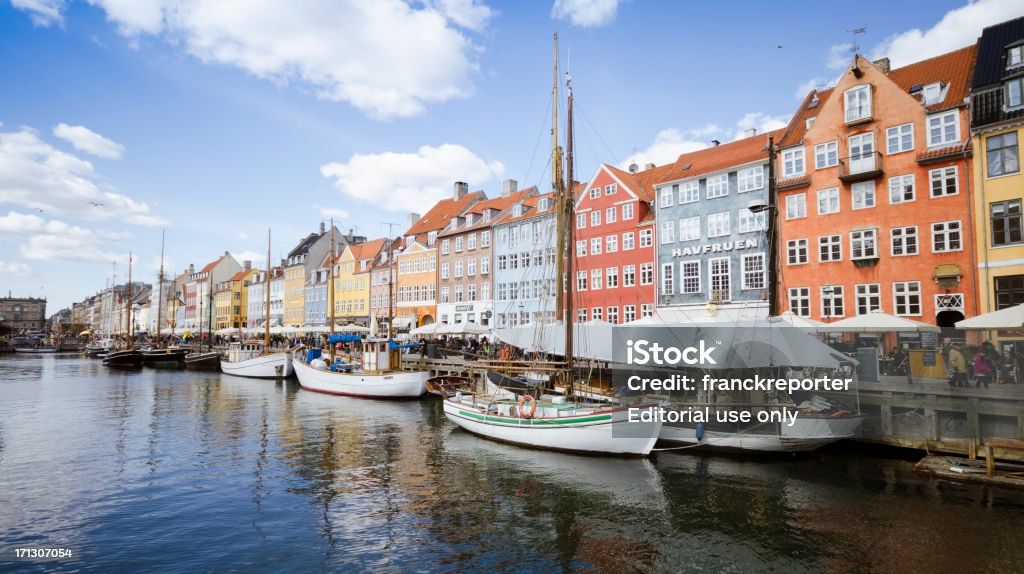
[215,120]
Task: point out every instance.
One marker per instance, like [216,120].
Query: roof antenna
[855,48]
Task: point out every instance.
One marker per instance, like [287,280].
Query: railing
[860,167]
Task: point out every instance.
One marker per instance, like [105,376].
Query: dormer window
[517,210]
[1015,93]
[858,103]
[544,204]
[487,215]
[809,123]
[933,93]
[1015,56]
[432,238]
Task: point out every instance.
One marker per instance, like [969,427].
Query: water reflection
[224,473]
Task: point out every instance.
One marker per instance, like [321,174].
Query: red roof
[240,275]
[209,266]
[367,250]
[953,68]
[531,202]
[498,203]
[712,159]
[442,212]
[809,108]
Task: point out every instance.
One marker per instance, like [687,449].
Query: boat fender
[527,413]
[699,431]
[319,364]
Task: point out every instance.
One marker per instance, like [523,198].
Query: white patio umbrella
[277,330]
[463,328]
[1009,318]
[353,328]
[877,322]
[428,329]
[793,320]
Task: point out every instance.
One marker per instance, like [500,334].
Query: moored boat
[373,378]
[249,359]
[208,361]
[35,350]
[123,359]
[171,357]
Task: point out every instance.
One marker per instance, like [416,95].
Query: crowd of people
[987,365]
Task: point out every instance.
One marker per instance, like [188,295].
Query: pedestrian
[981,370]
[957,367]
[946,346]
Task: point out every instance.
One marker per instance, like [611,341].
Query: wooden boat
[449,384]
[170,357]
[208,361]
[35,350]
[123,359]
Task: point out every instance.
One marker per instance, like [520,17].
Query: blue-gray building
[712,249]
[524,263]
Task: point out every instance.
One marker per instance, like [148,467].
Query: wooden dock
[973,471]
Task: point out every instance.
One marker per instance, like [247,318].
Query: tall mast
[569,233]
[391,281]
[558,186]
[266,313]
[160,294]
[330,280]
[129,302]
[209,311]
[772,235]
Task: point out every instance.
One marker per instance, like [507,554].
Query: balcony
[860,167]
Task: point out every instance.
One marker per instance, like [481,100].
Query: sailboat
[208,360]
[161,355]
[129,357]
[556,423]
[254,359]
[379,375]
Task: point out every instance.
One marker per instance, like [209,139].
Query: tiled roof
[240,275]
[442,212]
[304,244]
[990,66]
[209,266]
[633,183]
[498,203]
[793,183]
[953,68]
[793,134]
[935,154]
[367,250]
[531,203]
[716,158]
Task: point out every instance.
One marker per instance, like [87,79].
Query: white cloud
[388,58]
[839,56]
[409,182]
[669,144]
[957,28]
[36,175]
[258,259]
[760,121]
[13,268]
[585,13]
[337,213]
[243,236]
[84,139]
[49,247]
[42,12]
[813,84]
[24,223]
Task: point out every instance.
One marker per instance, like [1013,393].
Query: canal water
[176,471]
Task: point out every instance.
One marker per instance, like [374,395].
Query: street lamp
[761,206]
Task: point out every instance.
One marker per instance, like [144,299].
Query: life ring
[840,413]
[527,414]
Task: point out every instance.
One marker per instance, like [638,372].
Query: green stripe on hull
[534,422]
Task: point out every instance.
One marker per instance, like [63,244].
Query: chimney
[750,133]
[247,265]
[633,168]
[226,254]
[413,218]
[715,143]
[191,268]
[508,187]
[883,65]
[648,166]
[461,189]
[323,229]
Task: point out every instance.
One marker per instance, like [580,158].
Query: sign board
[463,308]
[929,341]
[486,314]
[715,248]
[928,358]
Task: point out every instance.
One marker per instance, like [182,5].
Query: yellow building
[352,282]
[231,301]
[997,99]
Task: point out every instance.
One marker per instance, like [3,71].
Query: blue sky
[216,119]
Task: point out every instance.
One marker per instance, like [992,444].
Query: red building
[614,253]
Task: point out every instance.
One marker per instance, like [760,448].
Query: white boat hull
[807,433]
[590,433]
[272,366]
[385,385]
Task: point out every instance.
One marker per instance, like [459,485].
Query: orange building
[874,195]
[416,286]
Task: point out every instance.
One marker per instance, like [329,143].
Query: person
[982,370]
[957,366]
[946,347]
[1006,368]
[899,359]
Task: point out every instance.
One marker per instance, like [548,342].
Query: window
[750,221]
[668,232]
[444,293]
[646,273]
[595,245]
[932,93]
[611,277]
[458,244]
[627,241]
[899,139]
[904,241]
[611,243]
[581,220]
[471,241]
[646,310]
[1006,222]
[1015,93]
[944,181]
[1009,291]
[796,206]
[628,313]
[858,103]
[717,186]
[538,229]
[753,271]
[503,261]
[485,238]
[690,192]
[610,189]
[830,248]
[1002,154]
[611,215]
[906,297]
[581,280]
[666,197]
[832,301]
[581,248]
[826,155]
[595,193]
[485,265]
[863,244]
[667,279]
[485,291]
[646,237]
[458,269]
[595,278]
[828,201]
[595,314]
[444,270]
[946,236]
[800,301]
[689,229]
[503,234]
[627,212]
[796,251]
[471,292]
[1015,56]
[613,315]
[943,129]
[513,261]
[750,179]
[538,258]
[595,218]
[458,293]
[718,224]
[721,289]
[471,267]
[862,152]
[793,162]
[445,246]
[901,189]
[629,276]
[863,195]
[689,273]
[869,298]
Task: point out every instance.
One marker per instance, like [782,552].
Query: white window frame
[712,277]
[667,286]
[800,295]
[689,229]
[938,121]
[719,224]
[826,154]
[793,162]
[689,192]
[749,275]
[796,205]
[665,197]
[861,236]
[627,211]
[860,111]
[830,241]
[796,252]
[831,195]
[945,233]
[828,301]
[898,184]
[717,186]
[941,175]
[646,273]
[896,135]
[749,222]
[628,242]
[863,195]
[690,283]
[906,290]
[899,236]
[865,292]
[667,232]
